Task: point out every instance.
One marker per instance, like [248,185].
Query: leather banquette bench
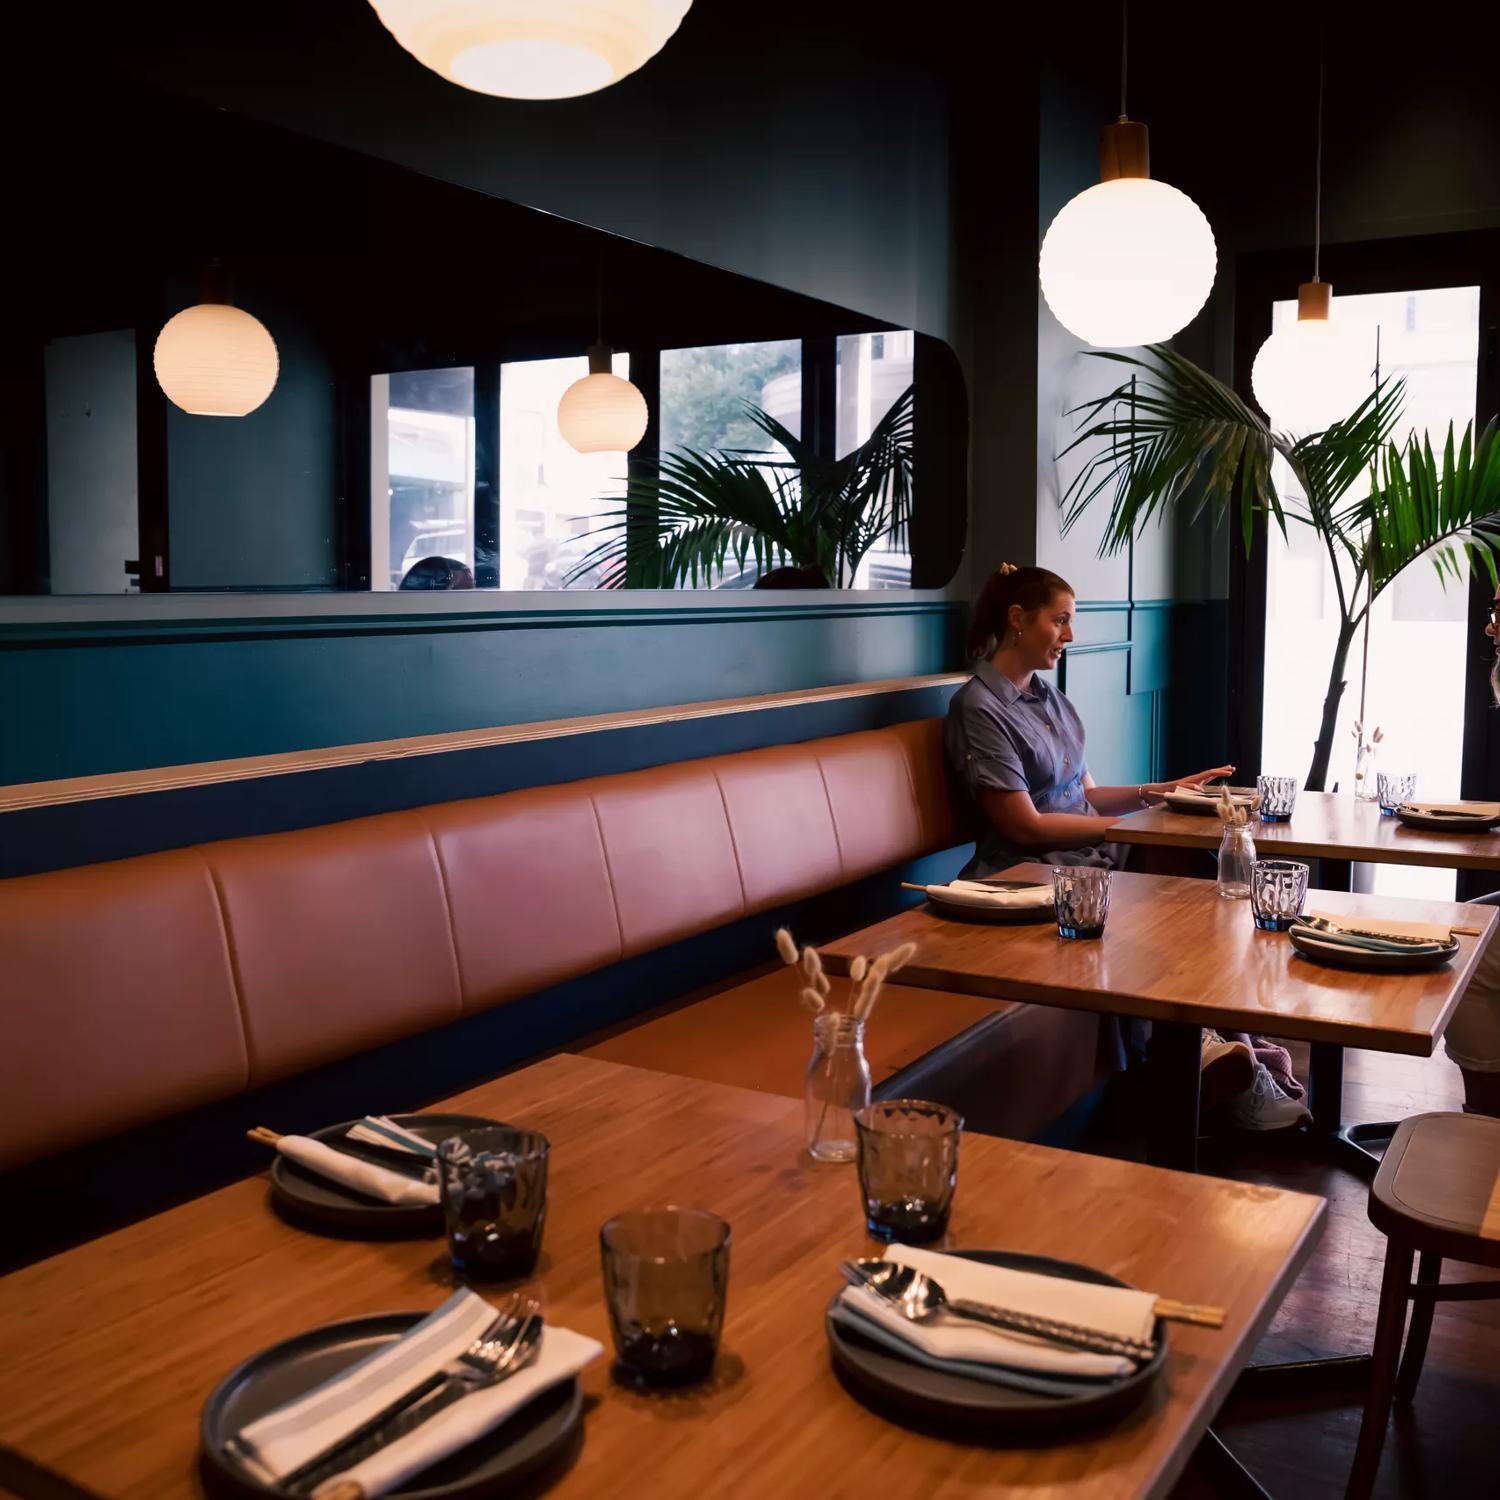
[145,987]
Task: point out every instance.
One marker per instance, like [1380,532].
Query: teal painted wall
[86,699]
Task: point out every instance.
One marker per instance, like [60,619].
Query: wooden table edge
[1216,1391]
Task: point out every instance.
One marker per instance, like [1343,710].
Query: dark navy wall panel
[49,838]
[83,700]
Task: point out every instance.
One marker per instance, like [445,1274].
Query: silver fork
[492,1356]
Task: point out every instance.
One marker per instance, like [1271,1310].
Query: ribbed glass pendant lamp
[1130,260]
[1313,372]
[532,49]
[214,359]
[603,412]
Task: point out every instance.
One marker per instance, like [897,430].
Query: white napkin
[1468,809]
[288,1437]
[1106,1309]
[1192,794]
[384,1183]
[976,893]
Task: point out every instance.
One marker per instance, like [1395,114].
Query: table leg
[1173,1059]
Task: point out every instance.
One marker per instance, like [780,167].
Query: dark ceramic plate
[1447,822]
[918,1396]
[1001,914]
[1340,956]
[313,1202]
[519,1456]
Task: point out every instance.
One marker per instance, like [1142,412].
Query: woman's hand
[1197,780]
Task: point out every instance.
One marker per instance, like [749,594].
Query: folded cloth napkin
[383,1183]
[288,1437]
[1317,938]
[1378,927]
[1465,809]
[977,893]
[1106,1309]
[380,1130]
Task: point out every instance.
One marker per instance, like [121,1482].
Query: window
[1417,636]
[704,393]
[421,470]
[550,494]
[873,370]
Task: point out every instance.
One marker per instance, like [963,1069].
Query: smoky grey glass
[1278,888]
[1082,896]
[908,1168]
[493,1184]
[666,1281]
[1278,796]
[1393,789]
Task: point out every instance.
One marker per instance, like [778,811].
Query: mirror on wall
[400,348]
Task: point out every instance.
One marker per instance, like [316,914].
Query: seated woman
[1473,1035]
[1015,745]
[1015,751]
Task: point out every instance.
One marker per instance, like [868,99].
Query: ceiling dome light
[532,49]
[1130,260]
[215,360]
[1314,372]
[602,413]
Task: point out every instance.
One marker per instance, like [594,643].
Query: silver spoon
[920,1299]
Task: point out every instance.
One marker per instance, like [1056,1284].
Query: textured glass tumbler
[908,1168]
[1393,790]
[1278,887]
[1082,896]
[1278,796]
[494,1191]
[666,1279]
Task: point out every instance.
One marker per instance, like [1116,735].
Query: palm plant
[683,522]
[1176,436]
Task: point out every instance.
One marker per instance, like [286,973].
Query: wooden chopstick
[1189,1312]
[906,885]
[265,1136]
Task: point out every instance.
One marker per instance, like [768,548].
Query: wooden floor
[1447,1442]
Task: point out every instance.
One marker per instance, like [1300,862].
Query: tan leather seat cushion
[340,938]
[119,1005]
[136,989]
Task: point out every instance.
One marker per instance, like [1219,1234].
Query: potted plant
[1174,435]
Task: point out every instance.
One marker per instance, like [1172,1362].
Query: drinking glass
[1278,887]
[1393,789]
[908,1168]
[1278,796]
[493,1184]
[1082,896]
[666,1277]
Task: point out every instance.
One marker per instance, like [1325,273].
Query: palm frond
[1183,438]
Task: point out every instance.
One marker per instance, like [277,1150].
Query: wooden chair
[1438,1193]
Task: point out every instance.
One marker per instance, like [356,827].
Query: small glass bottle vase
[837,1087]
[1236,856]
[1364,774]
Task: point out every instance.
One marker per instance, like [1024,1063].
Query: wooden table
[1323,825]
[1337,831]
[111,1348]
[1176,953]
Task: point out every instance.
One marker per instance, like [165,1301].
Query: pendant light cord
[1124,53]
[1318,168]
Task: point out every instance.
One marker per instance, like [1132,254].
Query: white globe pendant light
[214,359]
[1314,372]
[532,49]
[1130,260]
[602,413]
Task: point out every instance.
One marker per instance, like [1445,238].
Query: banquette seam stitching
[437,854]
[833,821]
[916,801]
[609,874]
[236,980]
[739,868]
